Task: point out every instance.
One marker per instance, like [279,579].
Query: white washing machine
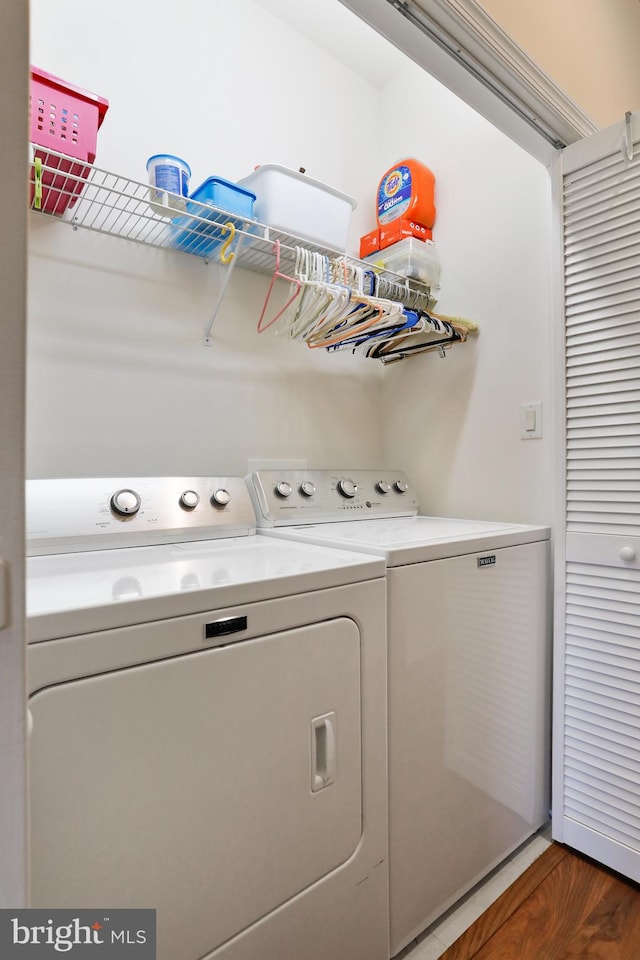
[209,722]
[469,675]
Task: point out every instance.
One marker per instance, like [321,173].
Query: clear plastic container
[411,258]
[290,201]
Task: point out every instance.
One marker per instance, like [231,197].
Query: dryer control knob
[283,489]
[628,554]
[126,503]
[383,487]
[220,498]
[307,488]
[347,488]
[401,486]
[189,499]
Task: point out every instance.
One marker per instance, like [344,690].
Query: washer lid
[404,540]
[83,592]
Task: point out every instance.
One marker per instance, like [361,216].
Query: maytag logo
[487,561]
[44,933]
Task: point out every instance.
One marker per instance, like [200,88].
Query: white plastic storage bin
[412,258]
[294,203]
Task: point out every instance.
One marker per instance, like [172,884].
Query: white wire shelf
[87,197]
[90,198]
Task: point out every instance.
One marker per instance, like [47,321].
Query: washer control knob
[220,498]
[283,489]
[401,486]
[307,488]
[347,488]
[189,499]
[126,503]
[383,487]
[628,554]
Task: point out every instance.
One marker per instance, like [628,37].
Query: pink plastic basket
[65,119]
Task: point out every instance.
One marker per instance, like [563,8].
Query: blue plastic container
[229,204]
[225,195]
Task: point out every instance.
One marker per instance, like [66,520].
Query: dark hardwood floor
[564,907]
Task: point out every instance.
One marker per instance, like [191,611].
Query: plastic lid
[169,156]
[298,176]
[226,183]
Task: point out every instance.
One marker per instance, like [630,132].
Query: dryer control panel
[294,497]
[69,515]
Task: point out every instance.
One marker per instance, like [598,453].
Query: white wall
[454,422]
[118,380]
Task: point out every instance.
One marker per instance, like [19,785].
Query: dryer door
[212,786]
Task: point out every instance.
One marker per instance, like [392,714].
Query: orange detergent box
[399,229]
[370,243]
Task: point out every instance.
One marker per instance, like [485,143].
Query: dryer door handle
[323,751]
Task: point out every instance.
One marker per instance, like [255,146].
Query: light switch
[531,420]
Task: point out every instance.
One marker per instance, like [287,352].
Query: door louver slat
[594,329]
[597,244]
[585,314]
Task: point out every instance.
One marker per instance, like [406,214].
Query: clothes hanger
[361,322]
[376,343]
[277,274]
[405,345]
[340,310]
[326,305]
[413,323]
[315,297]
[369,313]
[363,343]
[329,307]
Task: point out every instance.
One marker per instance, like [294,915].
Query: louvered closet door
[600,704]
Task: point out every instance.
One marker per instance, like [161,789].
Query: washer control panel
[290,497]
[65,516]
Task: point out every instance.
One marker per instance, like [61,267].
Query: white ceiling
[342,34]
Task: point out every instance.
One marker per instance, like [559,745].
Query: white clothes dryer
[469,674]
[209,723]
